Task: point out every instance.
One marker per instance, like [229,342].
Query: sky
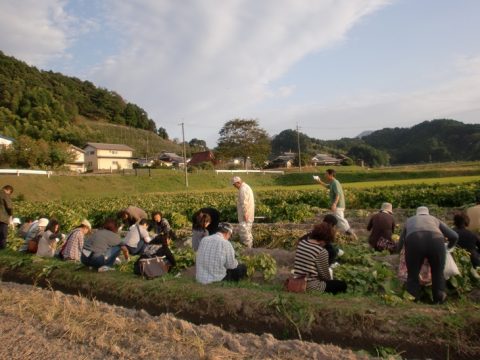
[335,68]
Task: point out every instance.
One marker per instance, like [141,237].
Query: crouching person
[137,237]
[215,259]
[102,248]
[311,260]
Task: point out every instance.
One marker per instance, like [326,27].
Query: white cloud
[457,98]
[34,31]
[210,61]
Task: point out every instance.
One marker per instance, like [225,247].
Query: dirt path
[41,324]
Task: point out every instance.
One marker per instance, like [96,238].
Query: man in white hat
[72,249]
[245,210]
[382,226]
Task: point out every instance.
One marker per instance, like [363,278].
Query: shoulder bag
[296,284]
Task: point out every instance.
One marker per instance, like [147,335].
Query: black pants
[3,235]
[421,245]
[336,286]
[236,274]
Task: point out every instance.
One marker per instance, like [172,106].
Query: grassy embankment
[39,188]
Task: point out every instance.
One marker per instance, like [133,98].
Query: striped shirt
[311,259]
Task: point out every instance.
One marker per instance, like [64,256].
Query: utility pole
[184,156]
[298,142]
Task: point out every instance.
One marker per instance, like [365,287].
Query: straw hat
[387,207]
[422,210]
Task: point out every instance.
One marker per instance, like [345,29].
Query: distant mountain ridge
[430,141]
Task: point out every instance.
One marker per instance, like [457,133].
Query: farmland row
[276,205]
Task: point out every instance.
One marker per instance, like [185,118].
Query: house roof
[103,146]
[204,156]
[77,148]
[7,138]
[170,157]
[325,157]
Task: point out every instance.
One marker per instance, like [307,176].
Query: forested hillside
[430,141]
[45,105]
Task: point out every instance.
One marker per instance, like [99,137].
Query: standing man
[215,259]
[245,210]
[474,215]
[6,211]
[337,201]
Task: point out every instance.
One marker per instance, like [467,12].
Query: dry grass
[40,324]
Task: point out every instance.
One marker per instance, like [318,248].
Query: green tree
[371,156]
[162,133]
[245,139]
[197,145]
[287,140]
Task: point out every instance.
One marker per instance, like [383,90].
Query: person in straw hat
[72,249]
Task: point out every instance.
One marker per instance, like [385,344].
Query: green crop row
[278,205]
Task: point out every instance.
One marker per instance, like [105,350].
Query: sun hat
[86,223]
[225,227]
[43,222]
[387,207]
[422,210]
[16,221]
[236,179]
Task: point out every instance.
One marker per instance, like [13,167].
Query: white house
[78,163]
[100,156]
[5,141]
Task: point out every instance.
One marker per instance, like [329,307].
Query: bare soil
[41,324]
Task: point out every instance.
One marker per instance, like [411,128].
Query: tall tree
[197,145]
[245,139]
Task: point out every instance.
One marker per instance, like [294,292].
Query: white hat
[387,207]
[43,222]
[236,179]
[16,221]
[86,223]
[422,210]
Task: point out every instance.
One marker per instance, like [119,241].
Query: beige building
[78,164]
[99,156]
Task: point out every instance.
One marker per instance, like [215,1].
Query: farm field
[375,315]
[40,188]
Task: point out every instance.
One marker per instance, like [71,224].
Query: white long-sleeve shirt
[245,204]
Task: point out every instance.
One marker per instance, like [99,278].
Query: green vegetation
[289,206]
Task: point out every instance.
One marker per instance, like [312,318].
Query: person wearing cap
[382,226]
[6,211]
[215,259]
[424,238]
[245,210]
[337,201]
[72,249]
[35,231]
[473,214]
[48,242]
